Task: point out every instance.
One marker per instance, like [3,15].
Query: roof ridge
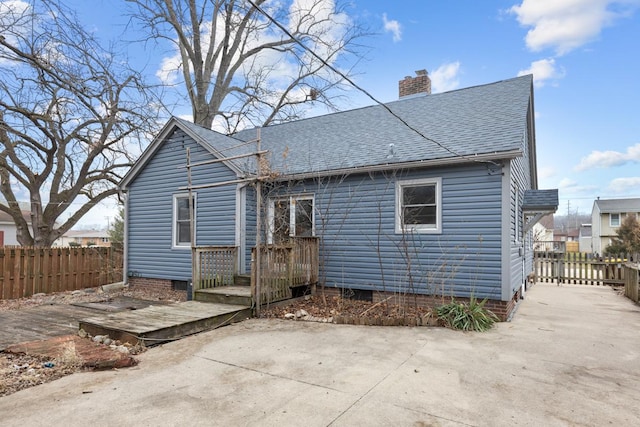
[389,103]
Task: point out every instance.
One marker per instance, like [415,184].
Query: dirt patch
[351,311]
[19,370]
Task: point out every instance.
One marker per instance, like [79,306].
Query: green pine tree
[116,231]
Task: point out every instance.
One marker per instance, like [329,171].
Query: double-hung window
[419,206]
[614,220]
[291,216]
[181,224]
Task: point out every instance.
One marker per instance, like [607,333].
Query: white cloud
[543,71]
[546,172]
[607,159]
[565,25]
[12,25]
[169,69]
[624,185]
[392,26]
[567,183]
[11,11]
[445,77]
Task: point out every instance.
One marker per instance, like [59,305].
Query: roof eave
[171,124]
[147,154]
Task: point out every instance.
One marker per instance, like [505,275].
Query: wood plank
[38,323]
[150,319]
[240,291]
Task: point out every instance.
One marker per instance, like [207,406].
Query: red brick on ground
[87,353]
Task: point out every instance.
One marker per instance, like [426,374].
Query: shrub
[471,316]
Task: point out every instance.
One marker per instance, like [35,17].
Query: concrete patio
[571,356]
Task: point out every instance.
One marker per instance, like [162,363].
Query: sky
[584,56]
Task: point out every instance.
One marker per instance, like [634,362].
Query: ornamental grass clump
[471,316]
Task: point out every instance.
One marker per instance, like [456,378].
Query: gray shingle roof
[488,121]
[540,200]
[618,205]
[479,120]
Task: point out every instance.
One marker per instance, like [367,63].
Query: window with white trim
[614,220]
[419,205]
[291,216]
[181,229]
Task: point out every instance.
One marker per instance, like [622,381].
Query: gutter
[479,158]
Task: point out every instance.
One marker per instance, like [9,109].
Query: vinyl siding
[355,219]
[10,234]
[150,252]
[521,247]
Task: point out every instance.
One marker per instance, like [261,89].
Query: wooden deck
[48,321]
[39,323]
[157,324]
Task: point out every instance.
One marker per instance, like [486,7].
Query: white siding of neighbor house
[10,238]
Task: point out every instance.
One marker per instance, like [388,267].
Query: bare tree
[239,69]
[72,118]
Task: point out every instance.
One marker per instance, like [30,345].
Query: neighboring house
[8,229]
[584,239]
[573,234]
[445,212]
[84,238]
[606,218]
[572,244]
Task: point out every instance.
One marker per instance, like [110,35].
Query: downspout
[523,286]
[125,237]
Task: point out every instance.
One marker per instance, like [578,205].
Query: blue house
[430,196]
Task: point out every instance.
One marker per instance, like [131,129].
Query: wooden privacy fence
[632,281]
[214,266]
[580,268]
[285,266]
[28,271]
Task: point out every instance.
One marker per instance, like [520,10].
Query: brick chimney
[421,83]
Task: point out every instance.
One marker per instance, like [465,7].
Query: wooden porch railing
[632,281]
[285,266]
[214,266]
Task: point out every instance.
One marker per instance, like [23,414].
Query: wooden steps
[236,295]
[157,324]
[242,279]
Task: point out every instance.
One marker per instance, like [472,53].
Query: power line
[361,89]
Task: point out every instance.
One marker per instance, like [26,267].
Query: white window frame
[292,214]
[174,218]
[422,229]
[611,224]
